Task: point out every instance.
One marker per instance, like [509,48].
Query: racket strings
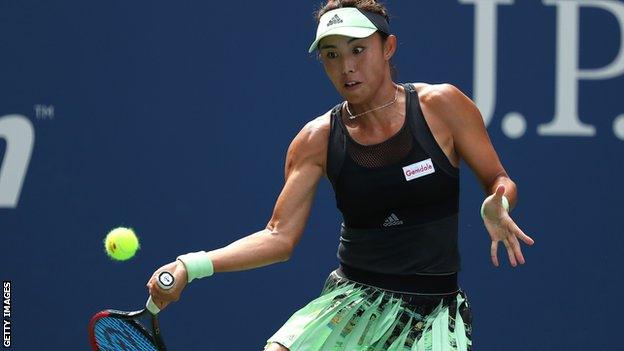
[114,334]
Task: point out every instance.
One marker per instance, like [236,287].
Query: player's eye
[358,50]
[331,54]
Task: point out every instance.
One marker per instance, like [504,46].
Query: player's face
[355,66]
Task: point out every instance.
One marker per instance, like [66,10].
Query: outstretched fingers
[513,244]
[513,228]
[520,234]
[493,253]
[513,252]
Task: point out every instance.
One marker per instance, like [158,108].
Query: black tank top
[399,199]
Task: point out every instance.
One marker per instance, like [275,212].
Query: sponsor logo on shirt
[392,220]
[418,169]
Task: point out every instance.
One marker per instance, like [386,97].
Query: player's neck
[389,94]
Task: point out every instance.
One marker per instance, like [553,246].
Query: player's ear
[389,47]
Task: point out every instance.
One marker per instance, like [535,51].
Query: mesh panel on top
[386,153]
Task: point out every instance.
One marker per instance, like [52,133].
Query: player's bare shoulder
[438,94]
[316,131]
[447,102]
[310,144]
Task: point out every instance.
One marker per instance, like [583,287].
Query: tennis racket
[113,330]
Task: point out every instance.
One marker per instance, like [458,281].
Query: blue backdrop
[174,119]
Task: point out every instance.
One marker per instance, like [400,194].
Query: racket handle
[165,281]
[151,306]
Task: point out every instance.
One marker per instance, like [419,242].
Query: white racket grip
[165,281]
[151,306]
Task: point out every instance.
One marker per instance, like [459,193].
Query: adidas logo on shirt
[334,20]
[392,220]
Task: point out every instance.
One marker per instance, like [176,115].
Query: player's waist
[426,284]
[382,218]
[426,249]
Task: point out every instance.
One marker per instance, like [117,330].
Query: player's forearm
[256,250]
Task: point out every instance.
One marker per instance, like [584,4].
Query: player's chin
[353,96]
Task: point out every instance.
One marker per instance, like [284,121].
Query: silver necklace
[352,116]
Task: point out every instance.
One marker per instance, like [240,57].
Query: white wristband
[198,265]
[505,204]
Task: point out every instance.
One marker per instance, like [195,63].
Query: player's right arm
[305,165]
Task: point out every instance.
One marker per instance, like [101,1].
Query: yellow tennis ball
[121,243]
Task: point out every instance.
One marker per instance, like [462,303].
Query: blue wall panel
[174,118]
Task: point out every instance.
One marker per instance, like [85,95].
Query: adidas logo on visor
[334,20]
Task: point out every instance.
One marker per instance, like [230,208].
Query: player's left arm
[472,144]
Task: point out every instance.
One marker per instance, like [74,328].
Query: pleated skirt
[351,316]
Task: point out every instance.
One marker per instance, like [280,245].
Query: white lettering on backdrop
[566,121]
[19,134]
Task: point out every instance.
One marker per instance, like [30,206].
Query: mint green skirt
[351,316]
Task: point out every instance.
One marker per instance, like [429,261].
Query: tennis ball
[121,243]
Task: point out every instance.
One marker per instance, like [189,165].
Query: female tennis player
[391,152]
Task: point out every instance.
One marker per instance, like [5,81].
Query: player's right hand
[162,297]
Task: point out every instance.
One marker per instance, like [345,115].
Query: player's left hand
[502,228]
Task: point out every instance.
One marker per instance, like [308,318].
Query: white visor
[346,21]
